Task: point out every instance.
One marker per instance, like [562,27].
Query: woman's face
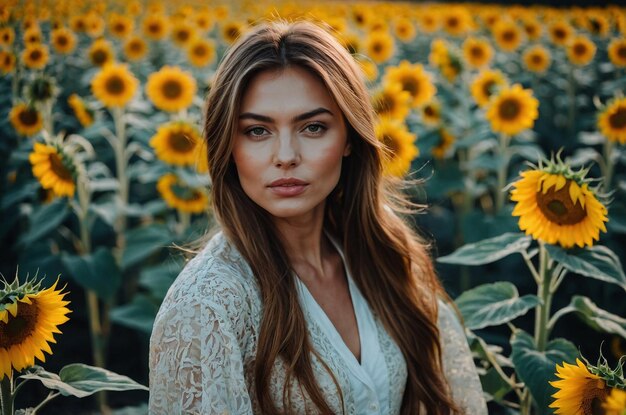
[289,128]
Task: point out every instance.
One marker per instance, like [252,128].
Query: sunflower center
[411,85]
[453,22]
[595,26]
[509,109]
[488,87]
[377,47]
[429,111]
[119,28]
[59,169]
[621,51]
[115,85]
[580,49]
[232,33]
[508,35]
[558,207]
[182,35]
[35,55]
[62,41]
[200,51]
[477,52]
[154,28]
[530,30]
[385,104]
[172,89]
[593,395]
[537,59]
[28,117]
[99,57]
[389,142]
[19,327]
[181,143]
[618,118]
[559,33]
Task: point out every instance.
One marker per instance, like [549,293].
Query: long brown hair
[390,262]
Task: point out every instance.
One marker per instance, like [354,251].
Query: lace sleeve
[458,365]
[195,358]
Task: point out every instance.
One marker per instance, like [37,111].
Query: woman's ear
[347,150]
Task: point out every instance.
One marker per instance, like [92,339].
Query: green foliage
[489,250]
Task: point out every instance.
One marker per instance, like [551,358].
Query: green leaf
[494,385]
[80,380]
[488,250]
[45,219]
[97,272]
[536,368]
[143,242]
[597,262]
[159,278]
[138,314]
[493,304]
[596,317]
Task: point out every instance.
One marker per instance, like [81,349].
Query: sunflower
[431,113]
[596,23]
[180,196]
[231,31]
[537,59]
[177,143]
[477,52]
[120,26]
[114,85]
[392,101]
[101,52]
[507,35]
[351,42]
[581,50]
[29,318]
[456,20]
[32,36]
[612,121]
[428,21]
[556,206]
[578,390]
[532,28]
[182,33]
[615,403]
[513,110]
[171,88]
[54,169]
[63,40]
[445,58]
[83,114]
[446,140]
[7,62]
[414,80]
[486,84]
[404,29]
[560,32]
[379,46]
[94,24]
[360,16]
[203,20]
[617,52]
[26,119]
[35,56]
[399,144]
[201,52]
[7,36]
[135,48]
[155,26]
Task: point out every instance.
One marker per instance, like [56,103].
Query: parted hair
[368,212]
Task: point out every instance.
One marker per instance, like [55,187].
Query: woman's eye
[256,131]
[315,128]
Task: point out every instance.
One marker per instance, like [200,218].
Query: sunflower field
[515,117]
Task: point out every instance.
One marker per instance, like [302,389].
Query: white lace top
[204,341]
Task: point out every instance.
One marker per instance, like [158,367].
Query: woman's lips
[291,190]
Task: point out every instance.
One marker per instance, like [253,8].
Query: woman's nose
[286,151]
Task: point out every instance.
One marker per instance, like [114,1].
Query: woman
[315,296]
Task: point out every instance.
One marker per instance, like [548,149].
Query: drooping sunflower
[54,169]
[26,120]
[615,403]
[83,114]
[35,56]
[7,62]
[182,33]
[513,110]
[135,48]
[477,52]
[114,85]
[446,58]
[487,83]
[171,88]
[404,29]
[617,52]
[379,46]
[201,52]
[120,26]
[155,26]
[392,101]
[29,318]
[579,391]
[560,32]
[7,36]
[177,143]
[442,148]
[431,113]
[507,35]
[399,144]
[63,40]
[413,79]
[556,206]
[231,31]
[180,196]
[101,52]
[581,50]
[612,121]
[537,59]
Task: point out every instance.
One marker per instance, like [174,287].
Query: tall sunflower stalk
[503,168]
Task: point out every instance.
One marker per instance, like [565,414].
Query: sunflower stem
[543,291]
[50,397]
[120,164]
[48,124]
[571,94]
[184,220]
[6,395]
[502,170]
[608,166]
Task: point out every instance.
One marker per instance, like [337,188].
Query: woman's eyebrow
[301,117]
